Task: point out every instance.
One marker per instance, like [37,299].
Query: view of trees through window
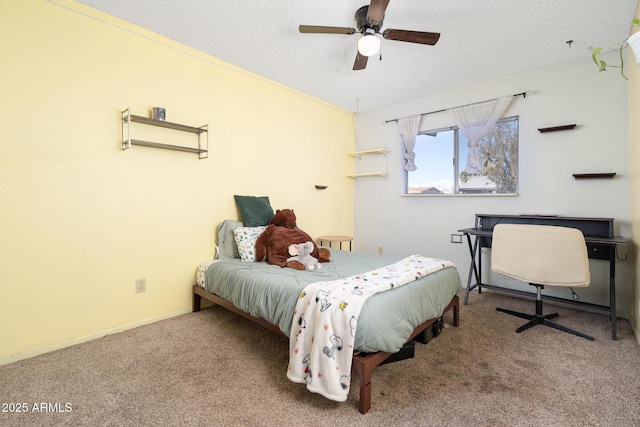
[447,164]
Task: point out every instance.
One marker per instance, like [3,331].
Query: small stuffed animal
[273,244]
[302,253]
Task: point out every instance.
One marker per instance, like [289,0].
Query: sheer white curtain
[475,120]
[409,131]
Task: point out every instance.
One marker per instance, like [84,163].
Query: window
[447,165]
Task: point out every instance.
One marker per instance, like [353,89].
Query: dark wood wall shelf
[557,128]
[609,175]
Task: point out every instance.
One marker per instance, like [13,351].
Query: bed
[267,295]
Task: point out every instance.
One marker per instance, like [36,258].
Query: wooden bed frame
[363,363]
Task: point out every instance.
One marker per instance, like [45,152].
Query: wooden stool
[338,239]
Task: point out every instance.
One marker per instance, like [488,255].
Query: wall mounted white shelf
[376,151]
[127,118]
[358,155]
[364,175]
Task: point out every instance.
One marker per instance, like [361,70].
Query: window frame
[456,165]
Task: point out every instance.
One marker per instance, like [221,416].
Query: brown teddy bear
[273,244]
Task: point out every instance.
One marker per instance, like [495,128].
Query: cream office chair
[541,255]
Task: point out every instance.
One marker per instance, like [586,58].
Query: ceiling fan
[369,22]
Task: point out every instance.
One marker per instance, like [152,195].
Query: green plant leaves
[602,65]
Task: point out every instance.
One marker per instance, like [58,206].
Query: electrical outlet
[380,250]
[141,285]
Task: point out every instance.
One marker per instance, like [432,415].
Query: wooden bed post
[363,365]
[365,386]
[366,362]
[456,310]
[197,299]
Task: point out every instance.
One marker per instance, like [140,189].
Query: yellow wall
[633,72]
[80,219]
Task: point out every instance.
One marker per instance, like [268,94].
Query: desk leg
[472,268]
[612,291]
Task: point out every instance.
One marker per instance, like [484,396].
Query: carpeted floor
[215,368]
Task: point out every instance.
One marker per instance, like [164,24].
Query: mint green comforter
[386,321]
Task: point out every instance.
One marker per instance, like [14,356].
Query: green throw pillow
[255,211]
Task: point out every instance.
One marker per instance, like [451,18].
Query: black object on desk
[598,234]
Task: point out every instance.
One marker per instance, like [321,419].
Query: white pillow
[246,240]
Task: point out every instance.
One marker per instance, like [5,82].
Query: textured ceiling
[481,40]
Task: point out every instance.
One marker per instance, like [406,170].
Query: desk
[339,239]
[601,244]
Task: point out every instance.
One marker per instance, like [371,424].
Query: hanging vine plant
[602,64]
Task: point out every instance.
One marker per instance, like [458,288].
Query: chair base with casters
[541,319]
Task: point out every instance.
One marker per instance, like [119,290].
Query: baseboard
[64,344]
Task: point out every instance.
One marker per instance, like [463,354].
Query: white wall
[573,92]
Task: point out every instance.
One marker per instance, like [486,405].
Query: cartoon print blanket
[324,323]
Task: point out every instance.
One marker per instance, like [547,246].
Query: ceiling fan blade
[361,62]
[375,13]
[420,37]
[316,29]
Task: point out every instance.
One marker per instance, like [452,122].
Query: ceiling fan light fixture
[368,23]
[369,44]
